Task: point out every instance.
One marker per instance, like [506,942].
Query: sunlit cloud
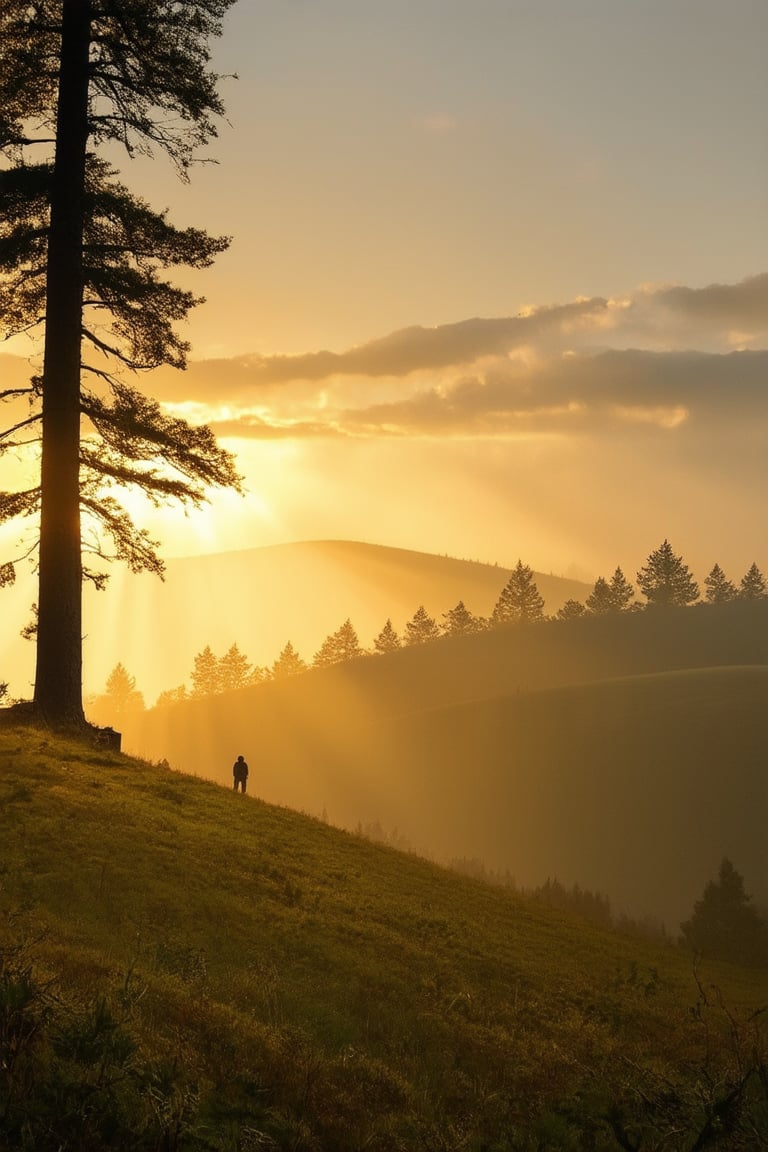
[574,393]
[255,427]
[660,417]
[661,357]
[665,319]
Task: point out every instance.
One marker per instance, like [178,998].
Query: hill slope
[464,747]
[227,975]
[259,598]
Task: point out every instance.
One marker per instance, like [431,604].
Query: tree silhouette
[387,640]
[519,602]
[234,670]
[719,588]
[206,675]
[621,591]
[80,256]
[119,699]
[724,924]
[571,610]
[421,627]
[459,621]
[753,586]
[612,595]
[600,599]
[341,645]
[288,663]
[665,580]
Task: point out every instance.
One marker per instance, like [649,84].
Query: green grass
[635,786]
[288,985]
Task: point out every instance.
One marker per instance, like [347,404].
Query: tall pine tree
[74,243]
[387,640]
[459,621]
[341,645]
[719,589]
[234,670]
[753,586]
[622,591]
[288,663]
[421,627]
[600,599]
[665,580]
[519,602]
[206,673]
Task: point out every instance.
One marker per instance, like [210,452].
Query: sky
[498,280]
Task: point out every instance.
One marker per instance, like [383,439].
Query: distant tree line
[725,924]
[665,581]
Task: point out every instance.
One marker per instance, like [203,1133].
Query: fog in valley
[621,751]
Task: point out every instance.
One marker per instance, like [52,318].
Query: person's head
[241,757]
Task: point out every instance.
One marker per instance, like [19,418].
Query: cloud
[247,427]
[657,361]
[584,394]
[666,318]
[399,354]
[727,305]
[618,392]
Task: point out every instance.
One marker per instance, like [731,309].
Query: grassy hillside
[259,598]
[181,967]
[515,747]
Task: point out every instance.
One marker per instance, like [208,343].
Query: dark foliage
[724,924]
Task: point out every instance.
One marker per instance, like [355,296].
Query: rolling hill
[626,753]
[259,598]
[182,968]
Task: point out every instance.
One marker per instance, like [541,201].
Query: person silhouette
[240,773]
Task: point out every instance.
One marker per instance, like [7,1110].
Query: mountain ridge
[260,599]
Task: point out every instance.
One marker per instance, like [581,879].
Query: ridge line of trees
[664,580]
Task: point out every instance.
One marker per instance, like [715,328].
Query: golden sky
[497,286]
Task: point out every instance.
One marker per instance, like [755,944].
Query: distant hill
[259,598]
[182,968]
[552,750]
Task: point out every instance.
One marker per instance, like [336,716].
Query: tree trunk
[58,679]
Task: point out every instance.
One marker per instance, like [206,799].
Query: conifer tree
[665,580]
[719,588]
[119,699]
[459,621]
[571,610]
[600,599]
[288,663]
[724,924]
[612,595]
[341,645]
[234,670]
[421,627]
[387,640]
[206,674]
[622,591]
[519,602]
[80,257]
[753,586]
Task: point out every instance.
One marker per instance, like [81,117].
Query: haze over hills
[259,598]
[623,753]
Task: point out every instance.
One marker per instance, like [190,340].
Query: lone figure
[240,773]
